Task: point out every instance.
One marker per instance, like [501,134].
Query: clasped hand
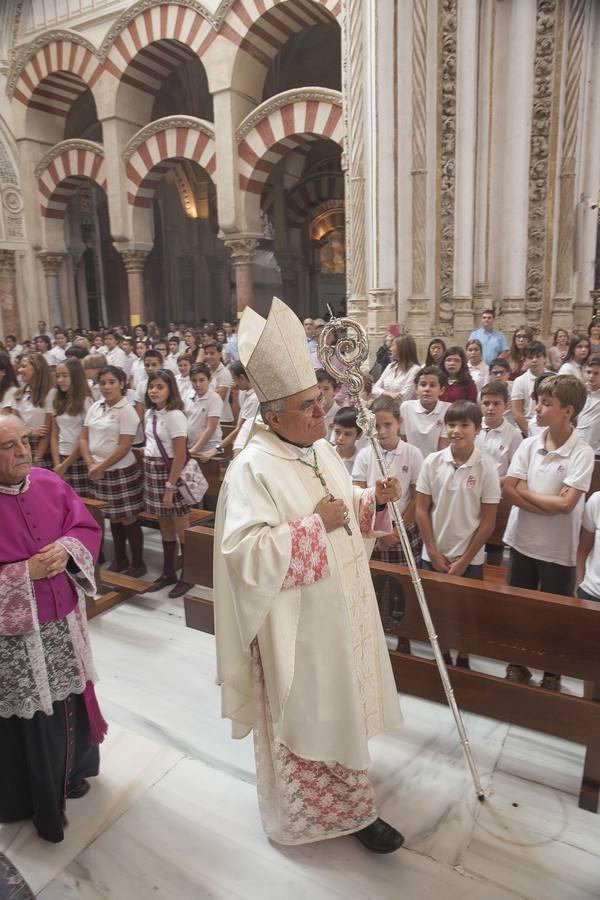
[49,562]
[387,490]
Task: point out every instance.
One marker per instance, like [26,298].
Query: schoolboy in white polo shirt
[458,491]
[546,483]
[423,419]
[497,436]
[588,552]
[588,421]
[522,399]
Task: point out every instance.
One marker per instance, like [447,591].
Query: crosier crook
[351,351]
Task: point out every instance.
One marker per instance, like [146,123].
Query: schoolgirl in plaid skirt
[404,461]
[71,402]
[106,440]
[33,404]
[165,455]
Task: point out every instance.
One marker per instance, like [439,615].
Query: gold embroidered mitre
[274,352]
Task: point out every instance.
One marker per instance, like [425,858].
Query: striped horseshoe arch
[60,174]
[55,75]
[157,147]
[137,58]
[269,133]
[262,27]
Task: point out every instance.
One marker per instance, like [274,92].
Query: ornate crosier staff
[350,351]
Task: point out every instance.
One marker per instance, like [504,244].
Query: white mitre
[274,352]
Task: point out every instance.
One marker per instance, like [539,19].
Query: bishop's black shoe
[379,837]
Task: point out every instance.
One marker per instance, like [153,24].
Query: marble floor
[173,815]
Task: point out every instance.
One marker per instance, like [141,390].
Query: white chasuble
[307,597]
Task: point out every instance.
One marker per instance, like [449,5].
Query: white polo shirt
[480,374]
[243,435]
[423,428]
[588,421]
[501,444]
[33,416]
[171,363]
[248,406]
[170,424]
[116,357]
[404,462]
[522,389]
[128,361]
[328,418]
[457,493]
[571,368]
[393,381]
[591,522]
[105,426]
[198,411]
[8,399]
[221,378]
[138,372]
[549,538]
[69,429]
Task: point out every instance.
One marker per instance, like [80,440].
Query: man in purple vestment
[50,722]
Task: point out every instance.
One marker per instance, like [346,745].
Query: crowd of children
[458,432]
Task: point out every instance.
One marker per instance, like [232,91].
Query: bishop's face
[302,422]
[15,452]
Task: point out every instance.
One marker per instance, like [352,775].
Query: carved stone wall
[446,161]
[540,157]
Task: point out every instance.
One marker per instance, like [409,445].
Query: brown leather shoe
[181,588]
[160,583]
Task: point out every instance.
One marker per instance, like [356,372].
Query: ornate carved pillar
[134,261]
[562,308]
[542,160]
[466,139]
[8,294]
[242,251]
[353,158]
[446,161]
[51,263]
[482,293]
[417,319]
[515,146]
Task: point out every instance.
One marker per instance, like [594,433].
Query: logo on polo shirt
[471,481]
[439,423]
[560,469]
[405,468]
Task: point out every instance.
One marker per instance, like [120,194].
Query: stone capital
[242,249]
[133,260]
[51,263]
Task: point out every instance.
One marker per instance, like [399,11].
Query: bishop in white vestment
[302,657]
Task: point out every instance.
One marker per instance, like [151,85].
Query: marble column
[515,147]
[418,303]
[353,158]
[134,261]
[466,138]
[242,251]
[8,294]
[482,292]
[51,264]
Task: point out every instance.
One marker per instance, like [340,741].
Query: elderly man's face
[15,452]
[302,421]
[309,327]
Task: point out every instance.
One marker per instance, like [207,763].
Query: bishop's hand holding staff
[302,658]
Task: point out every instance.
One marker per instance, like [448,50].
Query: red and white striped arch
[131,58]
[63,174]
[287,127]
[159,152]
[262,27]
[55,75]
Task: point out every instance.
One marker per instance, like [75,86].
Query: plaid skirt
[46,461]
[123,490]
[77,476]
[396,554]
[155,479]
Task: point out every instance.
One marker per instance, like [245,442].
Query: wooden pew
[487,618]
